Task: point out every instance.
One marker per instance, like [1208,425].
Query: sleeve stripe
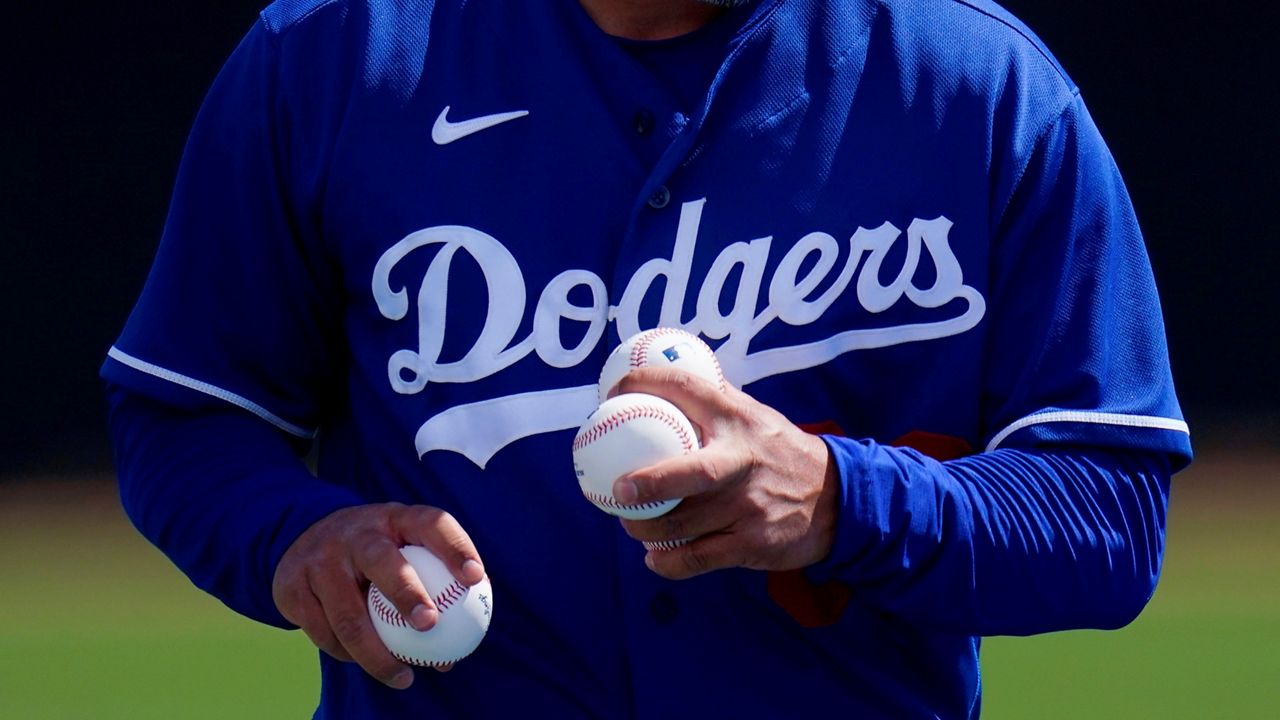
[1096,418]
[124,358]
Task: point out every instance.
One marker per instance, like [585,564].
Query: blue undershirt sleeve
[221,492]
[1010,542]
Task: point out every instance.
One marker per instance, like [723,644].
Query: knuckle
[430,515]
[684,382]
[351,629]
[290,612]
[286,586]
[406,519]
[390,514]
[372,549]
[384,669]
[330,551]
[457,539]
[693,562]
[312,622]
[709,470]
[673,525]
[292,602]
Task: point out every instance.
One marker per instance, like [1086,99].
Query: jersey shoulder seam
[279,22]
[1072,98]
[1026,35]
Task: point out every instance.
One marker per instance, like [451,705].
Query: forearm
[222,494]
[1008,542]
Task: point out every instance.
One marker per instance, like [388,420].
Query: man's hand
[761,493]
[322,578]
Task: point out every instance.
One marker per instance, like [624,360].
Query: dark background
[98,101]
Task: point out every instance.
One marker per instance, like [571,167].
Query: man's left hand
[761,493]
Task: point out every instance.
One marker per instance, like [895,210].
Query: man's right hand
[321,581]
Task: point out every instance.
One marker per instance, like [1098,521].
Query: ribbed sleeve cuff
[854,534]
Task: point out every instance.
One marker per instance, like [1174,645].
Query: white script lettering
[481,429]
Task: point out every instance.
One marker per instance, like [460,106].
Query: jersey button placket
[643,122]
[660,197]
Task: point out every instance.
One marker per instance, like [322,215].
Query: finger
[697,516]
[312,620]
[700,399]
[699,472]
[613,390]
[348,617]
[701,556]
[378,558]
[440,532]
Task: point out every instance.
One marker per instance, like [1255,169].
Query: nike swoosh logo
[445,132]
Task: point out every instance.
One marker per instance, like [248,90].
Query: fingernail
[473,568]
[648,560]
[625,491]
[402,680]
[422,618]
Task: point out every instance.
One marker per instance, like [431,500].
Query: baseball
[461,625]
[660,347]
[628,432]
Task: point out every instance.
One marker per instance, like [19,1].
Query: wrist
[827,508]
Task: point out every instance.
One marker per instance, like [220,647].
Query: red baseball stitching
[428,663]
[665,544]
[445,600]
[451,594]
[641,349]
[423,663]
[616,420]
[391,616]
[387,613]
[609,502]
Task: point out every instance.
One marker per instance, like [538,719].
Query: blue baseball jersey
[418,228]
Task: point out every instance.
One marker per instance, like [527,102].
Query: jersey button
[663,607]
[660,197]
[643,122]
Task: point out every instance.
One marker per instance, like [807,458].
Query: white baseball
[628,432]
[461,625]
[660,347]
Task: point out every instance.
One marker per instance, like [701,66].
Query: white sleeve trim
[1096,418]
[240,401]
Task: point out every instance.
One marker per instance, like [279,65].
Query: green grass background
[95,624]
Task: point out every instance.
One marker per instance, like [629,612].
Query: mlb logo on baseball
[660,347]
[632,430]
[673,353]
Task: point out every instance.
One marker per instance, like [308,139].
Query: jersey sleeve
[1060,524]
[1076,353]
[222,494]
[240,304]
[1010,542]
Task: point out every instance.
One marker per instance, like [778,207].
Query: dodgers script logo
[478,430]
